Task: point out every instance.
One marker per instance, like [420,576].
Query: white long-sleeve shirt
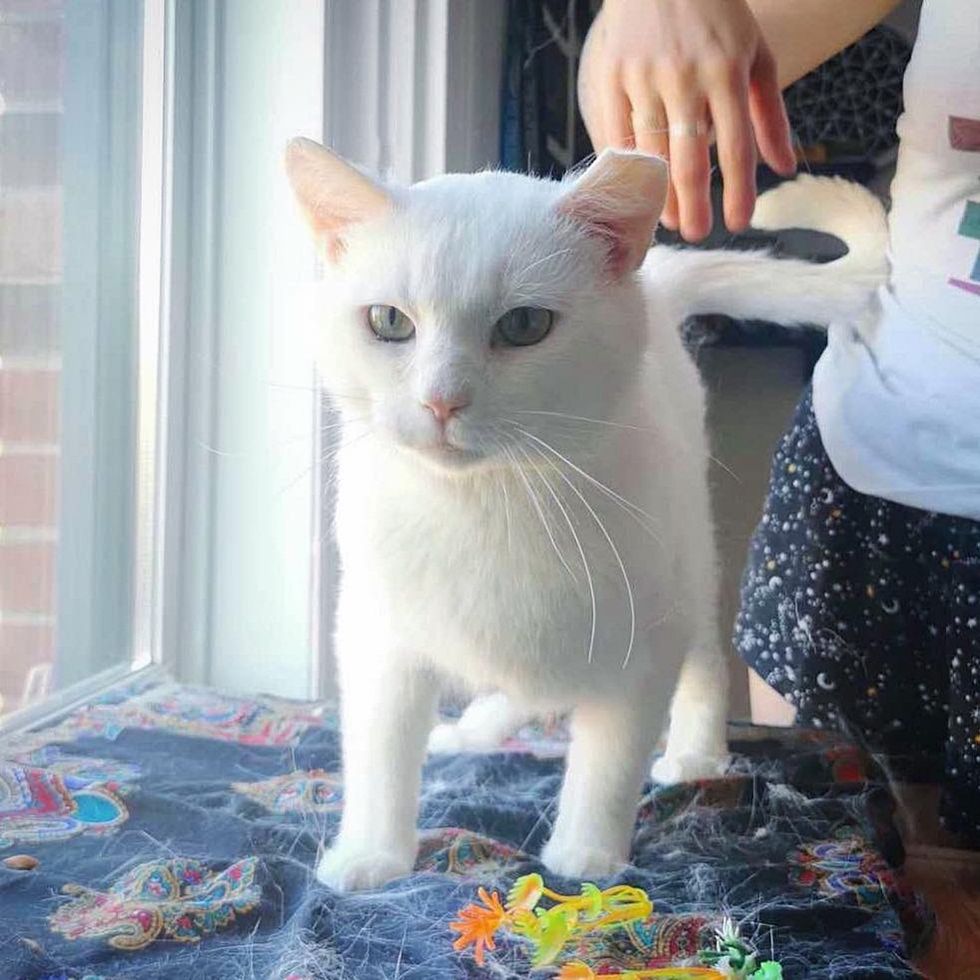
[899,407]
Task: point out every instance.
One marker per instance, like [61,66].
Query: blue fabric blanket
[172,832]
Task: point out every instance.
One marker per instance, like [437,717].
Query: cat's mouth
[447,451]
[448,456]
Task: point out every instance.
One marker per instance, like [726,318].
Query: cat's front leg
[387,709]
[607,758]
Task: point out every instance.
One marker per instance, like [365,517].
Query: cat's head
[457,310]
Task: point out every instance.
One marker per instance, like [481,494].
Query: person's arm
[656,73]
[805,33]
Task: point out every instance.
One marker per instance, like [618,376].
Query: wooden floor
[949,878]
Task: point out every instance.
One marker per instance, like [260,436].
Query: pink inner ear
[333,195]
[618,201]
[625,238]
[333,215]
[328,226]
[614,237]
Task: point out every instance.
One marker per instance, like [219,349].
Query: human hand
[659,74]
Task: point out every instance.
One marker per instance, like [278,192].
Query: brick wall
[31,73]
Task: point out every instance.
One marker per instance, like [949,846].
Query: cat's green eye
[523,326]
[389,323]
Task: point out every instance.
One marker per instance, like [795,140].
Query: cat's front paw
[351,868]
[671,769]
[581,860]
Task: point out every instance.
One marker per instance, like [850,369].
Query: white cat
[522,501]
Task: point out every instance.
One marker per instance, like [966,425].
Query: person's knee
[768,706]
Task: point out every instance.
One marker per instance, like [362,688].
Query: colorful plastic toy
[549,929]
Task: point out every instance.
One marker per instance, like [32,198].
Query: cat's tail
[753,285]
[837,207]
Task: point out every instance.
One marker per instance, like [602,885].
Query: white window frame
[243,76]
[399,86]
[97,615]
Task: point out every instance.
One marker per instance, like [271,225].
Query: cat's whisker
[524,270]
[281,444]
[285,387]
[619,558]
[292,483]
[323,459]
[536,503]
[556,497]
[333,451]
[623,425]
[584,418]
[343,395]
[633,509]
[218,452]
[502,483]
[581,551]
[343,421]
[578,544]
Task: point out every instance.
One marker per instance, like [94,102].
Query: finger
[736,150]
[768,113]
[649,119]
[615,108]
[690,169]
[669,218]
[590,108]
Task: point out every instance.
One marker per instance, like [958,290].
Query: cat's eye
[523,326]
[389,323]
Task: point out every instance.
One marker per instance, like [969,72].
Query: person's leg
[957,549]
[834,612]
[768,706]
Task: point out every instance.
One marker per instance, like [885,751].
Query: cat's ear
[619,200]
[333,194]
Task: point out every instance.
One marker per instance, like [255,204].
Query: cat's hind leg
[697,745]
[698,733]
[485,724]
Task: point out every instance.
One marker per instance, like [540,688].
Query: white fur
[466,567]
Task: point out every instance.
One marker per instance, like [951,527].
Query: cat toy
[549,929]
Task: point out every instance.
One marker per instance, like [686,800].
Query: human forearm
[804,33]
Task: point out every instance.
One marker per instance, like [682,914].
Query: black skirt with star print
[865,614]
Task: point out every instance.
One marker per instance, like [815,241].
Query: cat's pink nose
[444,408]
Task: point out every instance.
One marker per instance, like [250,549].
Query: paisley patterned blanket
[171,832]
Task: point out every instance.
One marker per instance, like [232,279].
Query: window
[163,496]
[69,152]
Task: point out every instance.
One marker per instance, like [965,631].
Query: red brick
[30,235]
[38,9]
[30,149]
[27,577]
[29,405]
[29,490]
[31,61]
[22,648]
[30,320]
